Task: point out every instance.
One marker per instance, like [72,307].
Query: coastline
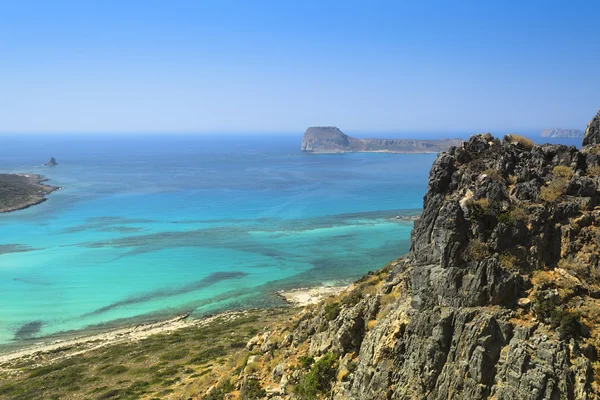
[77,345]
[24,191]
[83,343]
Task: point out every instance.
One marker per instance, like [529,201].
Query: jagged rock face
[51,162]
[499,297]
[592,133]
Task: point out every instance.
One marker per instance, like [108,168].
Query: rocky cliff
[499,297]
[329,139]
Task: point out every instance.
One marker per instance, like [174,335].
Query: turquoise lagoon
[148,227]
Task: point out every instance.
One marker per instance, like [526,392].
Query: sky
[281,66]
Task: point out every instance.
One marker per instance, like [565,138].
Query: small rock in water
[51,162]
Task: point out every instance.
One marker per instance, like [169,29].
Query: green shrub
[352,298]
[208,354]
[546,309]
[332,310]
[176,354]
[222,389]
[306,361]
[252,390]
[318,380]
[113,369]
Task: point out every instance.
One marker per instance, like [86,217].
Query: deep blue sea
[148,227]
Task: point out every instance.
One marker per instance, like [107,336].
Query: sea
[146,227]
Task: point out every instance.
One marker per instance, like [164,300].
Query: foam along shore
[306,296]
[20,191]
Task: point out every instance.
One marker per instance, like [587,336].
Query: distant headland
[19,191]
[329,139]
[562,133]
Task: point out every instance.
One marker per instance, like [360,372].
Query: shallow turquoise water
[156,226]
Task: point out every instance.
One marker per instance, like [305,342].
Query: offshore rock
[51,162]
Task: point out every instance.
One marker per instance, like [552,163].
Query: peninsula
[19,191]
[329,139]
[562,133]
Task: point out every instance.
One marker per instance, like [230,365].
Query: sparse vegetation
[252,390]
[332,310]
[493,174]
[476,250]
[318,379]
[521,141]
[149,368]
[509,261]
[554,190]
[593,170]
[562,171]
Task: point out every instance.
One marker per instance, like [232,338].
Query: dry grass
[521,141]
[479,206]
[492,174]
[543,278]
[554,190]
[519,213]
[576,266]
[371,324]
[595,149]
[563,172]
[594,170]
[509,261]
[477,250]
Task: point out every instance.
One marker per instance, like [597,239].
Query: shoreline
[77,345]
[31,190]
[83,343]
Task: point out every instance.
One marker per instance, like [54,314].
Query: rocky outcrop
[499,297]
[562,133]
[329,139]
[592,132]
[51,162]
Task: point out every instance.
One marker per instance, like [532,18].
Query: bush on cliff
[318,379]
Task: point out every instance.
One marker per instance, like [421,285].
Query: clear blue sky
[280,66]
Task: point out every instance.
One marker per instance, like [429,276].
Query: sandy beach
[306,296]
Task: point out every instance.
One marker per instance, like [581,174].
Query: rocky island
[19,191]
[329,139]
[562,133]
[51,162]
